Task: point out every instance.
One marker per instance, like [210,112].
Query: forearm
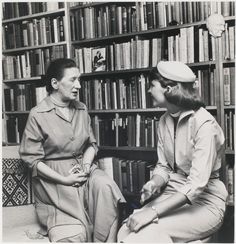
[89,155]
[173,202]
[48,173]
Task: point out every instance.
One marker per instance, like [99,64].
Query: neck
[172,109]
[58,101]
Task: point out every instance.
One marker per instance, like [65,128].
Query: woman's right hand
[76,179]
[148,190]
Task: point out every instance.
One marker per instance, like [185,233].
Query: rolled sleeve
[94,145]
[208,142]
[31,149]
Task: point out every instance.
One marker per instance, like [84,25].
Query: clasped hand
[77,179]
[77,176]
[140,218]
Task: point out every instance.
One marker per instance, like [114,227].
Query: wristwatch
[156,218]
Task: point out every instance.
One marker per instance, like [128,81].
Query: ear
[54,83]
[168,89]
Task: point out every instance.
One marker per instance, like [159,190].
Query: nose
[149,90]
[77,84]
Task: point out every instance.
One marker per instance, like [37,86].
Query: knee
[101,181]
[123,233]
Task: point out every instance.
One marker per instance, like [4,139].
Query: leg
[189,223]
[103,199]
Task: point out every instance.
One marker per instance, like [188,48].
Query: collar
[46,105]
[183,114]
[170,123]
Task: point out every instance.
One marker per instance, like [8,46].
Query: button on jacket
[197,152]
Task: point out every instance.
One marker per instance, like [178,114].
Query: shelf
[23,80]
[116,72]
[229,107]
[229,61]
[138,110]
[57,12]
[230,18]
[6,144]
[110,38]
[16,112]
[229,204]
[137,70]
[202,64]
[229,152]
[126,148]
[23,49]
[98,4]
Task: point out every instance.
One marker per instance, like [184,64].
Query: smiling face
[68,86]
[157,93]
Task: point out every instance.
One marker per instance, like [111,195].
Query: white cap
[176,71]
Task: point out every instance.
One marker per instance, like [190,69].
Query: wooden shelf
[57,12]
[16,112]
[137,70]
[23,49]
[126,148]
[116,72]
[229,107]
[229,152]
[98,4]
[23,80]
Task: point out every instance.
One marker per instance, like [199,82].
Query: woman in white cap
[191,199]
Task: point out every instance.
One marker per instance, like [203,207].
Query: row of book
[31,63]
[23,97]
[228,42]
[206,83]
[130,130]
[129,175]
[18,9]
[229,118]
[129,93]
[189,45]
[107,93]
[132,92]
[33,32]
[230,184]
[14,127]
[113,19]
[229,85]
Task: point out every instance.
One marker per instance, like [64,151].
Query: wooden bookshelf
[214,64]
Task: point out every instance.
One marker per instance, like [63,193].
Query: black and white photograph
[118,121]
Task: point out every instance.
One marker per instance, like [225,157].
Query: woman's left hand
[140,218]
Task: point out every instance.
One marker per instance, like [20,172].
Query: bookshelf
[124,37]
[126,33]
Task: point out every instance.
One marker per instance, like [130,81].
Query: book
[99,59]
[106,165]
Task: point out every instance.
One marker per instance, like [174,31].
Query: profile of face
[68,86]
[216,25]
[157,93]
